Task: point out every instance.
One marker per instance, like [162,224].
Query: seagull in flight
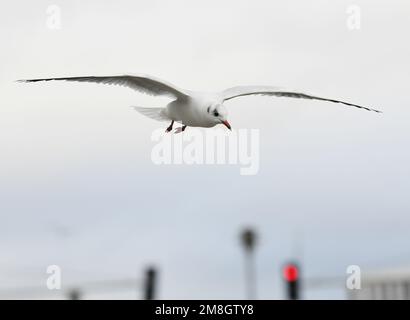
[192,108]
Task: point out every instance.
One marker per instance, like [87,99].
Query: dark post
[150,283]
[74,294]
[248,238]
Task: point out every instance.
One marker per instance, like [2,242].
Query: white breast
[191,112]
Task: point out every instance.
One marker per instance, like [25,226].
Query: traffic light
[291,275]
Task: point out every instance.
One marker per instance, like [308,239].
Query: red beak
[226,123]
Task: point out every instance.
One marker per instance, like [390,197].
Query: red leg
[180,129]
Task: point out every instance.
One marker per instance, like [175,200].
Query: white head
[217,114]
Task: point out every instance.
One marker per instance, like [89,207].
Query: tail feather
[153,113]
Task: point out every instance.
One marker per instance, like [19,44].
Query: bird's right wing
[143,83]
[240,91]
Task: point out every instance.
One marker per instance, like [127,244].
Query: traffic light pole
[250,275]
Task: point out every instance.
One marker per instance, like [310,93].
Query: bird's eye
[216,113]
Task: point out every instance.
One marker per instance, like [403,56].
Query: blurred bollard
[150,283]
[248,238]
[74,294]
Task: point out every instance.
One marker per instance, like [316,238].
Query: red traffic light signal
[291,273]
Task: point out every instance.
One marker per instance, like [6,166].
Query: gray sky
[78,186]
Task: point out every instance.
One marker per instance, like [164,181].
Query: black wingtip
[34,80]
[375,110]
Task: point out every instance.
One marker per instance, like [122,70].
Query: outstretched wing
[278,92]
[142,83]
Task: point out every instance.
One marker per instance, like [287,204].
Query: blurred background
[79,190]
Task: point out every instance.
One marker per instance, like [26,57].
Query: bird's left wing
[239,91]
[143,83]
